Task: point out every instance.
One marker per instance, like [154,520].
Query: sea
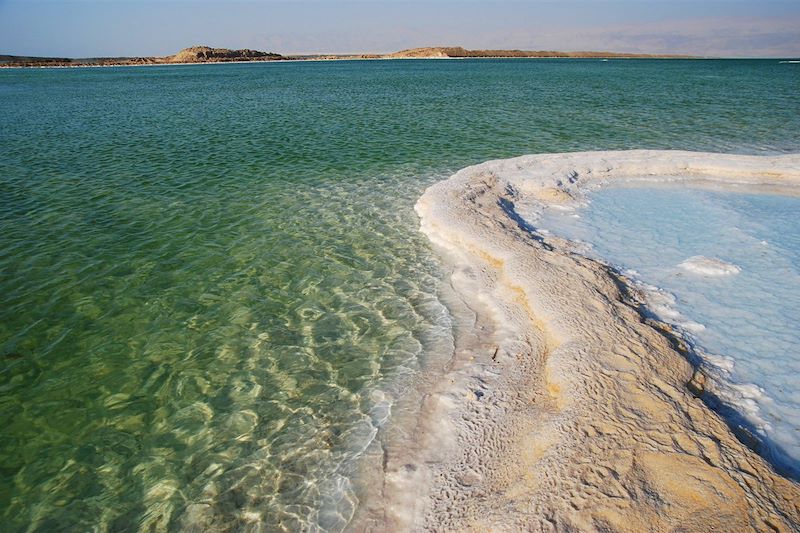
[214,290]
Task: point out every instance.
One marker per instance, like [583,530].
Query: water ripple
[210,274]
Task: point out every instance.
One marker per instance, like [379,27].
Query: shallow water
[725,268]
[213,284]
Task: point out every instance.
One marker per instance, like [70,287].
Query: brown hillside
[205,54]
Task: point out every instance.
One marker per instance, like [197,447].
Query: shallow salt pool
[725,269]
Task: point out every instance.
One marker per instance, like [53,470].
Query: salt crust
[562,408]
[709,266]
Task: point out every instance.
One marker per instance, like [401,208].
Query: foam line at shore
[565,407]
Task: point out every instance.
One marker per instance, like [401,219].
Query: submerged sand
[563,409]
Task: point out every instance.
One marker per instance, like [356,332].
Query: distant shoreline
[320,60]
[330,59]
[205,55]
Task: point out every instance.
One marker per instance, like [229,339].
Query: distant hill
[29,59]
[206,54]
[459,52]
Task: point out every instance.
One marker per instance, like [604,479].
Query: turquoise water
[742,314]
[213,284]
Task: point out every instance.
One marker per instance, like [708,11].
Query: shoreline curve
[565,408]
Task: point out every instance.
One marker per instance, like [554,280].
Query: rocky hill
[205,54]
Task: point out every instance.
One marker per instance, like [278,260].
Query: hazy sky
[83,28]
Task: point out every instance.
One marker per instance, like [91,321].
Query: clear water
[742,311]
[212,282]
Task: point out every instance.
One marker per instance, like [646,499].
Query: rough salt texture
[562,408]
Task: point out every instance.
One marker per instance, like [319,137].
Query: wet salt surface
[724,268]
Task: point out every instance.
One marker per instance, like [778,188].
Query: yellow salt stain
[496,262]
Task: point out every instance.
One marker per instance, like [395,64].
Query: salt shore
[563,407]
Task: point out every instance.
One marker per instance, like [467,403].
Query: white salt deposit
[709,266]
[564,410]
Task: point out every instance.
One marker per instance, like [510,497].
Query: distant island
[206,54]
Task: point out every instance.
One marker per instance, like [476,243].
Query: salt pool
[724,268]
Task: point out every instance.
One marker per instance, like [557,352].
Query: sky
[93,28]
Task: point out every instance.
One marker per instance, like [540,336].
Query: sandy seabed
[563,408]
